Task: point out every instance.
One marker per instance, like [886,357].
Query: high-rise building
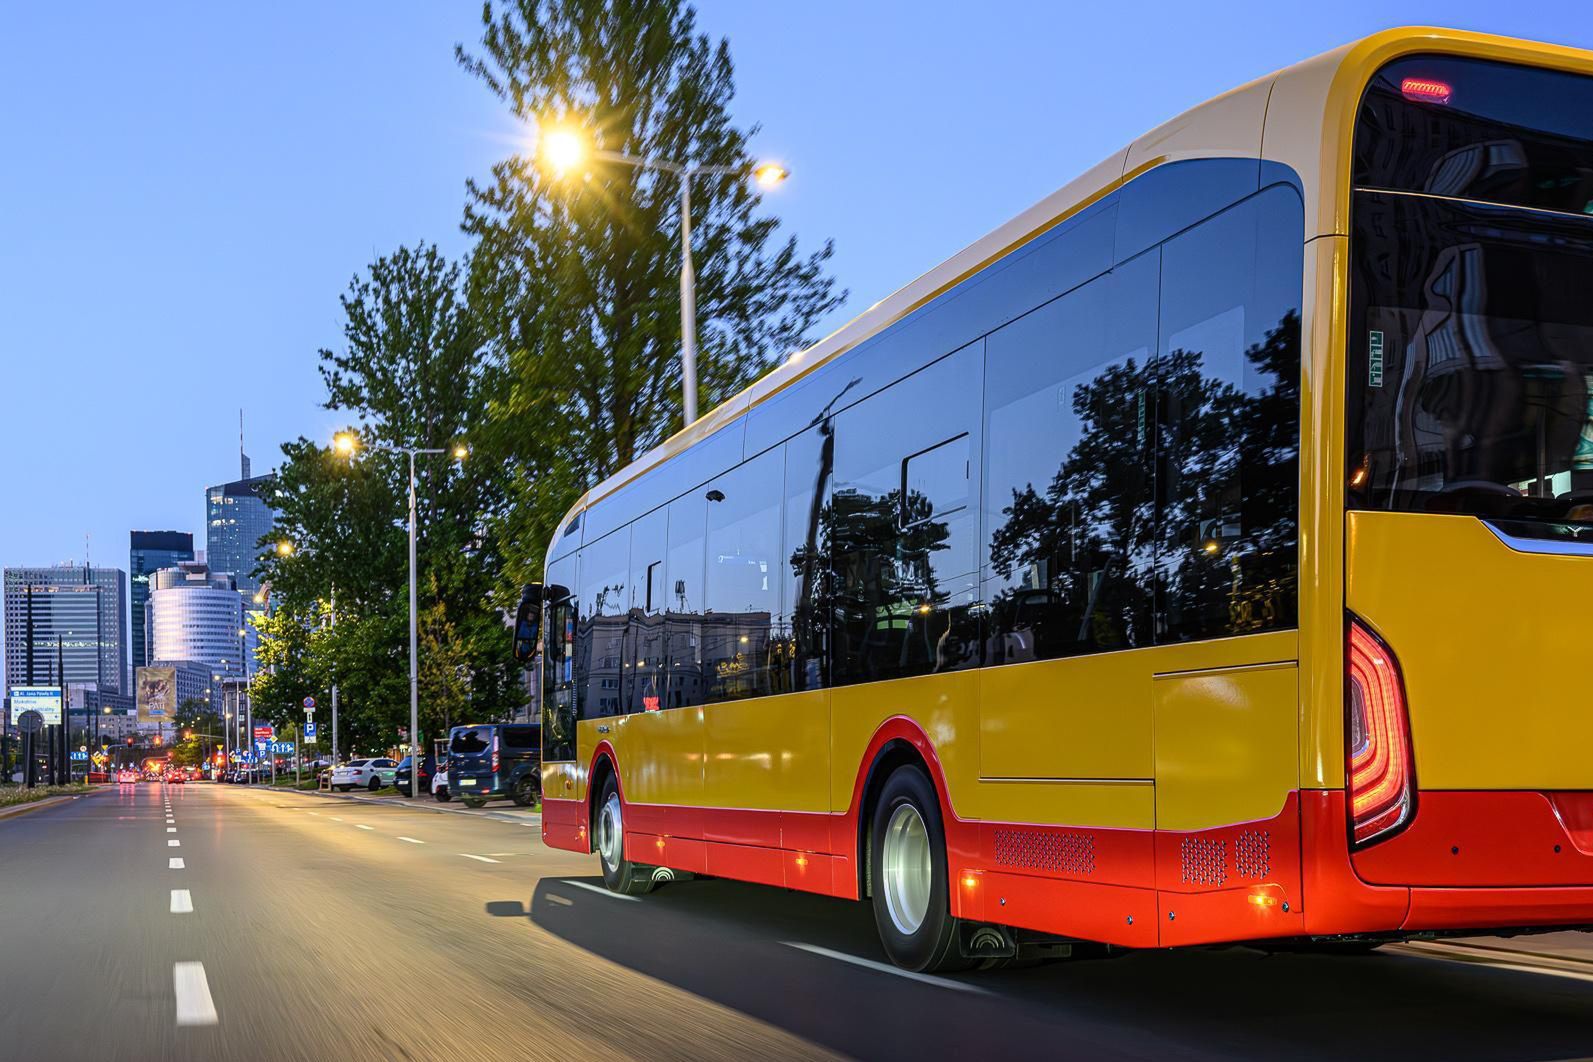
[237,517]
[150,552]
[196,614]
[83,607]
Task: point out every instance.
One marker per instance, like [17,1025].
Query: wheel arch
[603,766]
[899,742]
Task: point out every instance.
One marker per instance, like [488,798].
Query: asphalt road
[323,928]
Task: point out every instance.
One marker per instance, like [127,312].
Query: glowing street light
[345,442]
[563,149]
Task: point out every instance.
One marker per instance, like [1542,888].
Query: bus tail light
[494,752]
[1380,767]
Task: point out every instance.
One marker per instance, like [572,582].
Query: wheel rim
[906,870]
[611,832]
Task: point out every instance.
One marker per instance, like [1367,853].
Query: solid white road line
[601,891]
[182,901]
[194,1005]
[480,859]
[362,826]
[175,863]
[880,967]
[411,840]
[173,843]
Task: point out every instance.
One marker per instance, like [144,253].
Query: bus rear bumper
[1339,900]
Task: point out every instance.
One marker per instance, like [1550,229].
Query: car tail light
[495,753]
[1380,767]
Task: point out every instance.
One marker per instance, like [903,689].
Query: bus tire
[907,863]
[619,874]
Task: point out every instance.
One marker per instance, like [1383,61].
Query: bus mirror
[528,623]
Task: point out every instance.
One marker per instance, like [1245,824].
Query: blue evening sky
[188,187]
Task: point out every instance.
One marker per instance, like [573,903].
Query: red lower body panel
[1288,876]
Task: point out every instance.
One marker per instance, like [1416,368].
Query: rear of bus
[1469,466]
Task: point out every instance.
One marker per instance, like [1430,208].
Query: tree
[576,281]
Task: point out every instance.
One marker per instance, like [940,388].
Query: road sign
[309,705]
[46,700]
[309,732]
[30,722]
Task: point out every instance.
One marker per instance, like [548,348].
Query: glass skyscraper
[84,607]
[236,518]
[150,552]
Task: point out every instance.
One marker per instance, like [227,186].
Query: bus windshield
[1470,368]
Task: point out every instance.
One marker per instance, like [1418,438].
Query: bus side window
[742,586]
[683,601]
[600,630]
[558,661]
[1229,443]
[643,674]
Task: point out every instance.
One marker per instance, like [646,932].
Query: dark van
[493,760]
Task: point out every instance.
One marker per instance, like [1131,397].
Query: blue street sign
[309,732]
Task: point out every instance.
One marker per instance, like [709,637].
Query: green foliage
[553,349]
[577,279]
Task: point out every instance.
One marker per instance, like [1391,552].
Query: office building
[237,517]
[83,608]
[150,552]
[195,615]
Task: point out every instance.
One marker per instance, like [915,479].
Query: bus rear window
[1471,361]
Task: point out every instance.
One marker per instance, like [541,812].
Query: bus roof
[1301,116]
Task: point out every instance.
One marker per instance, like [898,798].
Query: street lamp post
[346,443]
[565,150]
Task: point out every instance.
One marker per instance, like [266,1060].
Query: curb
[47,802]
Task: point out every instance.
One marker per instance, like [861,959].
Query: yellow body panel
[1493,645]
[660,753]
[769,753]
[1086,717]
[1225,745]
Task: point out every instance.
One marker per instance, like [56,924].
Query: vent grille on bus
[1205,861]
[1071,853]
[1252,854]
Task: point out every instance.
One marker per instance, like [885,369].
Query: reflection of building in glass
[84,607]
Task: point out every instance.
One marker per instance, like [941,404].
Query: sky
[187,188]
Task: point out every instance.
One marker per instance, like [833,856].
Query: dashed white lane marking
[173,843]
[601,891]
[500,853]
[182,901]
[194,1005]
[317,814]
[175,863]
[479,859]
[171,829]
[336,818]
[880,967]
[411,840]
[362,826]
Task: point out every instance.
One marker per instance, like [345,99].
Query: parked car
[369,774]
[496,760]
[439,783]
[401,775]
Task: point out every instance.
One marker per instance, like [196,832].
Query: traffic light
[157,741]
[129,742]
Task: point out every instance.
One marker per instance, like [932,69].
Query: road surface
[220,922]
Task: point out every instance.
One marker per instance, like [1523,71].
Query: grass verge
[11,796]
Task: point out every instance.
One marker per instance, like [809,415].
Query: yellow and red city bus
[1205,555]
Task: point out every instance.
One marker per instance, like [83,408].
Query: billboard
[46,700]
[156,695]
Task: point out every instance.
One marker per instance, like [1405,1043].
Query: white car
[439,783]
[367,774]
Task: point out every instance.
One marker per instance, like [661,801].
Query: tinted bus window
[600,628]
[558,661]
[742,582]
[684,600]
[1229,439]
[903,593]
[809,462]
[645,661]
[1069,437]
[1471,363]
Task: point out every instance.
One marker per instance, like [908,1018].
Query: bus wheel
[908,873]
[619,874]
